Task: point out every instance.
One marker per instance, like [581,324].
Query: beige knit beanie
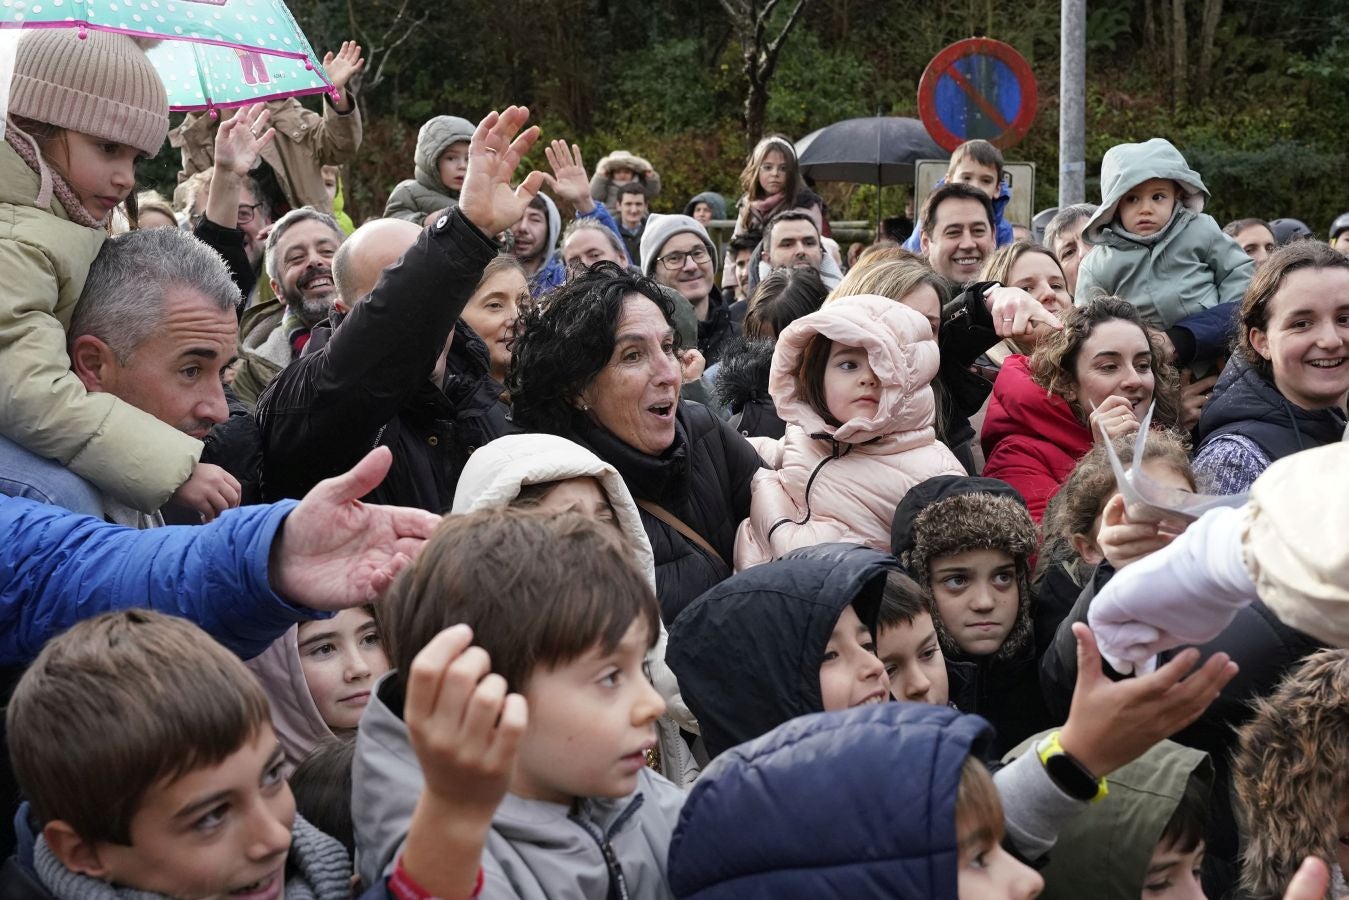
[101,84]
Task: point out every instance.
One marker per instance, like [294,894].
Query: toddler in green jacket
[1154,246]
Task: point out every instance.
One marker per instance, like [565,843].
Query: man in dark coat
[390,367]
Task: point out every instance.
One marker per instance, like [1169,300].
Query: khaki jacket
[131,456]
[305,141]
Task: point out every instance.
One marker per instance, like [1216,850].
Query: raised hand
[487,198]
[1124,540]
[335,552]
[569,177]
[343,65]
[465,729]
[1111,723]
[1016,313]
[239,142]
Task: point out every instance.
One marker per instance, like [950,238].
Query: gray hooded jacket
[416,198]
[535,850]
[1185,268]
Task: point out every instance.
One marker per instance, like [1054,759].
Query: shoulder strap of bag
[678,525]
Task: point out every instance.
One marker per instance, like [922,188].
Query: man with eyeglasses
[677,252]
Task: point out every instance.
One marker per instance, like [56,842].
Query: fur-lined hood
[742,376]
[1290,773]
[953,514]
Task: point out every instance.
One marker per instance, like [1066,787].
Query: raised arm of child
[465,729]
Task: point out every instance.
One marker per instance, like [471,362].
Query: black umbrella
[878,150]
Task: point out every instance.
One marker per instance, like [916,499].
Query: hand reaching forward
[569,175]
[487,198]
[1124,540]
[335,552]
[239,141]
[1112,723]
[1016,313]
[344,65]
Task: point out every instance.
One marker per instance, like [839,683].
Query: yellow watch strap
[1051,746]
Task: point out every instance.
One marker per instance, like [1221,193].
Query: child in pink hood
[853,383]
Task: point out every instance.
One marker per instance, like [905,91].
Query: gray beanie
[660,229]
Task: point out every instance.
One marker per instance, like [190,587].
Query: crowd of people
[478,552]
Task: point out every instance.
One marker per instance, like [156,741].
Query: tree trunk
[750,22]
[1179,62]
[1203,81]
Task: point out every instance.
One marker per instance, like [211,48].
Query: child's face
[977,175]
[330,182]
[1146,208]
[850,672]
[913,661]
[851,389]
[977,597]
[1173,874]
[341,658]
[702,212]
[453,165]
[773,172]
[622,176]
[988,872]
[591,722]
[215,831]
[1115,360]
[101,173]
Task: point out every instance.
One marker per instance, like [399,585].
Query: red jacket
[1031,438]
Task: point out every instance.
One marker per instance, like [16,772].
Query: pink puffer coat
[843,483]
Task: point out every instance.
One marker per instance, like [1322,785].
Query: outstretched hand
[1112,723]
[569,178]
[1311,881]
[239,142]
[335,552]
[1016,313]
[487,198]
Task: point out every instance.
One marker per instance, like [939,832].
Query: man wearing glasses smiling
[677,253]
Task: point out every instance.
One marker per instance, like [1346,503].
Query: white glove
[1185,593]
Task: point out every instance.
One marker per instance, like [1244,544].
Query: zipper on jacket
[618,885]
[834,453]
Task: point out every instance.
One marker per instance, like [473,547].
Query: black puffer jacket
[718,329]
[364,380]
[1246,403]
[742,388]
[703,478]
[1264,648]
[966,334]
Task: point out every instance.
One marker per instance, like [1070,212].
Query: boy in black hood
[968,542]
[781,640]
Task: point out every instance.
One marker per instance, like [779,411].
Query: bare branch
[786,28]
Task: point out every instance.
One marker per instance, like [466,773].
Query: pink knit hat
[102,85]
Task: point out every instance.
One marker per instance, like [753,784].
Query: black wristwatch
[1069,775]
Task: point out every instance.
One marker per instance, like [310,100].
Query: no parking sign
[977,88]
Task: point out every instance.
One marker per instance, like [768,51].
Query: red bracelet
[404,887]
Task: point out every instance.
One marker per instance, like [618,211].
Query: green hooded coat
[424,194]
[1187,267]
[1104,852]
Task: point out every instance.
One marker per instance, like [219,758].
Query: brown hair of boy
[981,151]
[979,821]
[1253,313]
[538,588]
[1053,365]
[1074,508]
[902,601]
[118,704]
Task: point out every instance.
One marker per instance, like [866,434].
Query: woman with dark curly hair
[1102,371]
[599,363]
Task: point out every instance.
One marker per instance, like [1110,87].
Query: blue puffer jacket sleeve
[57,568]
[1204,335]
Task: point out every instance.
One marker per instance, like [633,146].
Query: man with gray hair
[298,259]
[1063,237]
[154,327]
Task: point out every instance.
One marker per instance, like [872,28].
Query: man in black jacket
[366,377]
